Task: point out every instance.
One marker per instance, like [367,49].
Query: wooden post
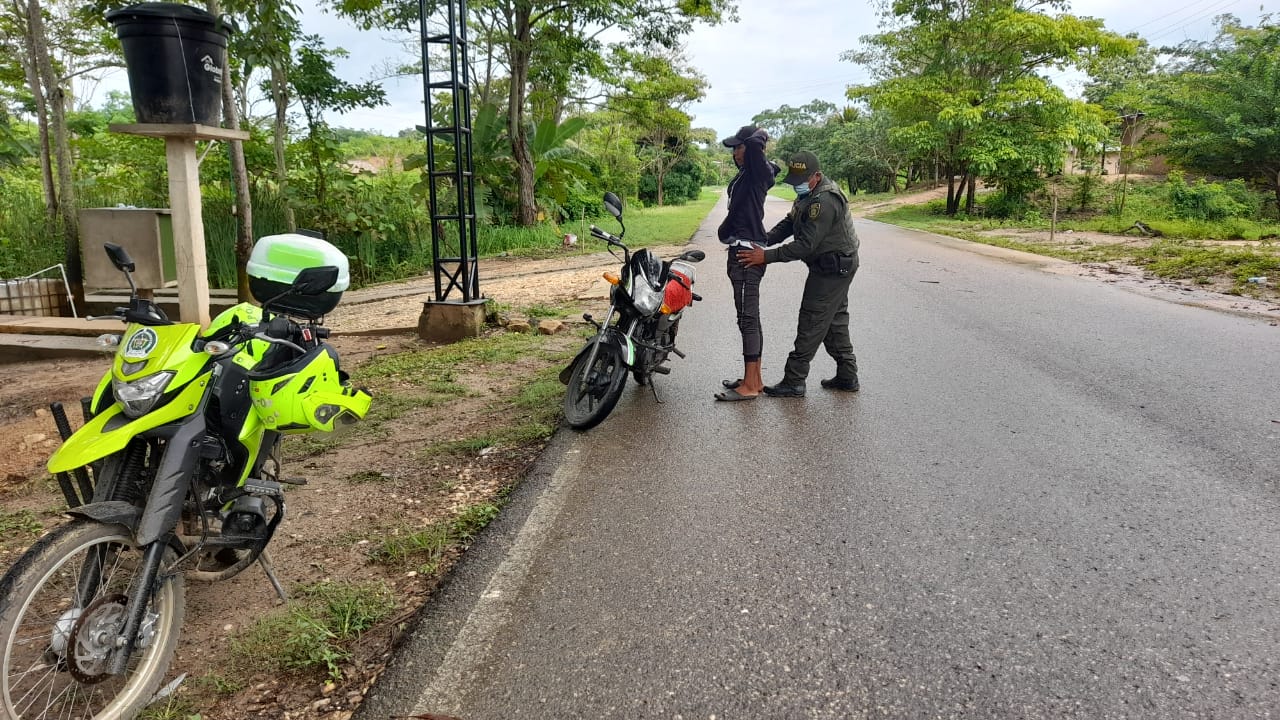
[1053,219]
[188,230]
[184,200]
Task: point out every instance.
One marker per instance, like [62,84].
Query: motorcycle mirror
[613,205]
[315,280]
[119,257]
[693,255]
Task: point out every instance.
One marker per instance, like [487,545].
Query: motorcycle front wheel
[594,391]
[61,608]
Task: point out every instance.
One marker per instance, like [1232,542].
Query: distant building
[1136,131]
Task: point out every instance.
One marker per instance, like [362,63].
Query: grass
[537,402]
[786,192]
[672,224]
[220,684]
[440,364]
[546,311]
[20,523]
[173,707]
[314,632]
[366,476]
[1169,257]
[473,519]
[427,547]
[28,241]
[541,397]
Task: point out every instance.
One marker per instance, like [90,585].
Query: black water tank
[174,54]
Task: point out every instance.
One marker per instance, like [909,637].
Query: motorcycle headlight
[140,396]
[645,298]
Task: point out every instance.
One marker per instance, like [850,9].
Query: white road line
[492,611]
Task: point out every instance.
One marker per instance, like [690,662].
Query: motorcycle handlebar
[280,341]
[611,239]
[281,328]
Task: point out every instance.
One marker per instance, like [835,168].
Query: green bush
[1084,190]
[681,184]
[1210,201]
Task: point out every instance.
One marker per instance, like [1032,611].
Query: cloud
[778,53]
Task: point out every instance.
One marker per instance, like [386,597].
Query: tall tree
[956,74]
[51,89]
[654,87]
[271,29]
[22,53]
[1123,86]
[1221,108]
[239,177]
[320,91]
[532,34]
[786,119]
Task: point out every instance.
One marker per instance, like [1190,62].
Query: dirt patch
[1216,292]
[862,207]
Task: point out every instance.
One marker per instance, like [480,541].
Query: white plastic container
[276,261]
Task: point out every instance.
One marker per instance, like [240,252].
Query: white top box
[279,259]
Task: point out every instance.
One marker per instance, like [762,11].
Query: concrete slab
[36,325]
[447,322]
[21,348]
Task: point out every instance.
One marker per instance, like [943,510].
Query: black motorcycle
[638,334]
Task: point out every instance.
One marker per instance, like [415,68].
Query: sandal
[731,384]
[732,395]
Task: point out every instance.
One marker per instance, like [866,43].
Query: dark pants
[746,300]
[824,320]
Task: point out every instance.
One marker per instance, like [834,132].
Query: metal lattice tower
[450,176]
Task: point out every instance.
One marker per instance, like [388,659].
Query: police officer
[826,242]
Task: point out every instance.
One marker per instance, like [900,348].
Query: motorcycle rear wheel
[588,402]
[61,607]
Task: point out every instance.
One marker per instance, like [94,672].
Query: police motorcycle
[179,479]
[637,335]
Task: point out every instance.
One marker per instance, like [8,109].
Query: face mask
[802,189]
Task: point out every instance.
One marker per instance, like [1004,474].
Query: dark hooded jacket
[745,219]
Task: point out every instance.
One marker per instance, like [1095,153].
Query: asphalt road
[1052,498]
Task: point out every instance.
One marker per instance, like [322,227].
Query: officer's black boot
[839,383]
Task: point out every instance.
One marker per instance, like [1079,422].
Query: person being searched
[743,228]
[826,242]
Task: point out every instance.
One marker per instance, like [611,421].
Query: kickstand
[265,561]
[654,388]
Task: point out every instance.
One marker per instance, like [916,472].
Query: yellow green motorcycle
[178,478]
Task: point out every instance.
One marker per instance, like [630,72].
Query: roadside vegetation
[1200,232]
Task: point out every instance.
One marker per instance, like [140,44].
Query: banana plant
[558,169]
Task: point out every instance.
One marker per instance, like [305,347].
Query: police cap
[801,166]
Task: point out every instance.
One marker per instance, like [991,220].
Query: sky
[780,52]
